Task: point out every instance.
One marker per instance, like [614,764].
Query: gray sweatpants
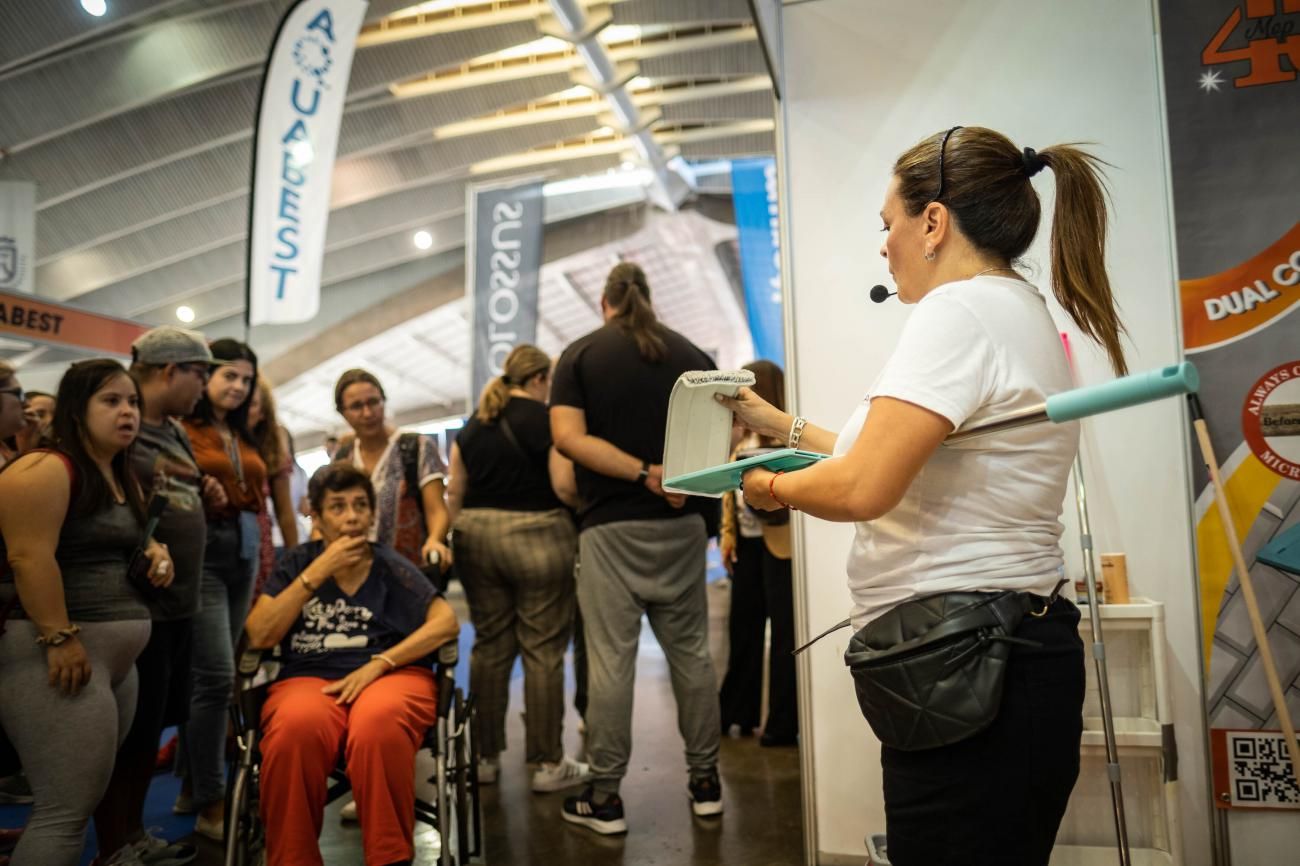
[67,744]
[656,568]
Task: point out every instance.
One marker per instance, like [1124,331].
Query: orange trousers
[379,734]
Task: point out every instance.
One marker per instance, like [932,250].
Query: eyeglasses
[361,405]
[203,371]
[17,392]
[947,135]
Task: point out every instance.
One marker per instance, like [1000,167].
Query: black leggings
[998,797]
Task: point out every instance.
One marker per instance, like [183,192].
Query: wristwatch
[644,473]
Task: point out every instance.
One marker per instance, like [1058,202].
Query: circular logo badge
[313,57]
[1271,419]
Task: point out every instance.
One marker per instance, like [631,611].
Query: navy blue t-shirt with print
[336,633]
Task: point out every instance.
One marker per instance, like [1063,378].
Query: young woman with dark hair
[981,516]
[71,516]
[225,450]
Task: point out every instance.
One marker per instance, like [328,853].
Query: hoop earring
[929,255]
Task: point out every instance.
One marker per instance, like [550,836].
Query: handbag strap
[508,432]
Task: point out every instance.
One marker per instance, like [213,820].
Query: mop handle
[1092,400]
[1121,393]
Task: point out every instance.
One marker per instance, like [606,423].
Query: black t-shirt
[625,400]
[503,475]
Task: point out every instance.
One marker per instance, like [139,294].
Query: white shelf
[1130,733]
[1136,661]
[1084,855]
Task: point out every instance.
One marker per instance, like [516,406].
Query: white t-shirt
[984,514]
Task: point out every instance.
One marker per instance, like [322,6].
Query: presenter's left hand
[755,485]
[355,683]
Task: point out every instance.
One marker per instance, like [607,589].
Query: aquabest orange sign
[24,317]
[1226,306]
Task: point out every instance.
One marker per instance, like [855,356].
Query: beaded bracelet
[771,491]
[59,636]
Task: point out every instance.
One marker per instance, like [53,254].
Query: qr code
[1260,771]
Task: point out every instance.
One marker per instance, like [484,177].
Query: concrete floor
[762,823]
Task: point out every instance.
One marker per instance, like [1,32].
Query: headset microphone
[880,294]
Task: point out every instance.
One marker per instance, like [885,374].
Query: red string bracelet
[771,491]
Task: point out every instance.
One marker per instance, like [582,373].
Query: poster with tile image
[1230,69]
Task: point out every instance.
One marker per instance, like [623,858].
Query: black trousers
[761,588]
[741,697]
[997,798]
[782,696]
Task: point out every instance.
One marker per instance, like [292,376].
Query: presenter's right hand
[752,412]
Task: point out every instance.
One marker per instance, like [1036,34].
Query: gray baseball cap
[169,344]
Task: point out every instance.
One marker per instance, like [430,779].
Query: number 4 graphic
[1268,42]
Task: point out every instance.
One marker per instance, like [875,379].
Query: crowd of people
[553,504]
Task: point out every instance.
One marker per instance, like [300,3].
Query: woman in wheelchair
[358,627]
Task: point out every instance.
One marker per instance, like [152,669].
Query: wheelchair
[455,813]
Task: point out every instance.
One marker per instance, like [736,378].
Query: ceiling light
[301,152]
[422,240]
[95,7]
[627,165]
[185,314]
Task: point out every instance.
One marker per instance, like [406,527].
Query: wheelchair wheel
[245,842]
[472,850]
[461,776]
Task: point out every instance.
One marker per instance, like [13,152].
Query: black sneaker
[605,818]
[706,795]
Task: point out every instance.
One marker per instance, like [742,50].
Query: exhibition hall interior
[649,432]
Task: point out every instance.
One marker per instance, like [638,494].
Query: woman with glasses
[12,413]
[405,468]
[224,449]
[981,516]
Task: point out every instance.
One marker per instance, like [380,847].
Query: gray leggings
[67,744]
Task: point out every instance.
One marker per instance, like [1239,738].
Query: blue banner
[753,192]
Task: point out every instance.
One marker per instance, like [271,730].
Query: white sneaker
[349,812]
[487,770]
[558,776]
[157,851]
[125,856]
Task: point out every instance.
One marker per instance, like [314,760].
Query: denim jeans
[225,591]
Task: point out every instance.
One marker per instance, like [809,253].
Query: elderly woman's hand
[756,485]
[355,683]
[754,413]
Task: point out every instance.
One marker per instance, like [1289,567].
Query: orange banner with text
[23,317]
[1224,307]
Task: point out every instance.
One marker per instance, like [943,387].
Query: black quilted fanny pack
[929,672]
